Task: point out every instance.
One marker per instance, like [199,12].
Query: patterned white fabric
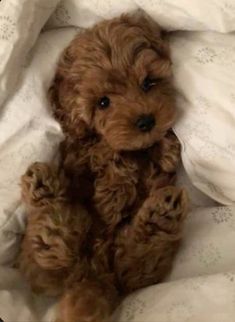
[201,287]
[217,15]
[204,69]
[20,23]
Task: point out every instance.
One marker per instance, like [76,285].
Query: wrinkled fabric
[201,286]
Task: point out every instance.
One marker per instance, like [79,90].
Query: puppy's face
[119,83]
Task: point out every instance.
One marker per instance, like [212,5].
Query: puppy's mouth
[145,133]
[140,134]
[137,141]
[147,140]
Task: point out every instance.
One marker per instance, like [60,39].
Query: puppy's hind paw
[42,183]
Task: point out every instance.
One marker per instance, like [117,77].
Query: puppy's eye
[103,102]
[147,84]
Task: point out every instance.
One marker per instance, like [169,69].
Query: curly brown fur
[108,220]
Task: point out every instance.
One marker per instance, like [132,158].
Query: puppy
[108,220]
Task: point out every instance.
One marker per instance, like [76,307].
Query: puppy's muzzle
[145,122]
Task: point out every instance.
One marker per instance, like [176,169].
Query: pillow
[204,69]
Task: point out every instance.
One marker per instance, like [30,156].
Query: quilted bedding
[201,286]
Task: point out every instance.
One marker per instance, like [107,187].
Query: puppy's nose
[145,122]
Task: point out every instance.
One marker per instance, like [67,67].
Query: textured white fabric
[28,132]
[217,15]
[20,23]
[201,287]
[204,69]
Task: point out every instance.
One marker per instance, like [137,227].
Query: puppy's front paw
[41,183]
[167,208]
[170,153]
[172,203]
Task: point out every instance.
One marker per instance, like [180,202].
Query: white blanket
[201,286]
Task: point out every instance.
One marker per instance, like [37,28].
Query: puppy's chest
[124,176]
[105,178]
[147,171]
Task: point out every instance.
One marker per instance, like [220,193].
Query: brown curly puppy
[108,220]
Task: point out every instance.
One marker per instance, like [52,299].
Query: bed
[201,286]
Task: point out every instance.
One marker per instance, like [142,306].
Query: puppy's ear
[152,31]
[63,94]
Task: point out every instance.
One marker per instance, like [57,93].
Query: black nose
[145,122]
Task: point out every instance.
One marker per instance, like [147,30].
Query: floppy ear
[152,31]
[63,94]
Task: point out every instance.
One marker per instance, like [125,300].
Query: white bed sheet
[201,286]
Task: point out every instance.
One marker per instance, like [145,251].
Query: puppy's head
[116,79]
